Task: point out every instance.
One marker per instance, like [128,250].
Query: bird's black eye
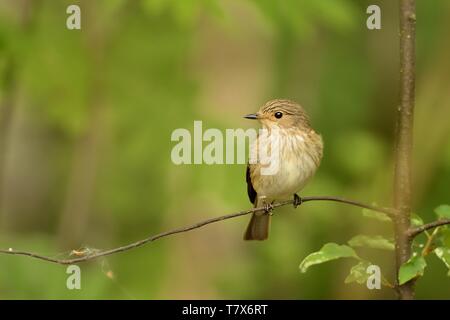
[278,114]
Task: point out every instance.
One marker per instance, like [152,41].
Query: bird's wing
[250,191]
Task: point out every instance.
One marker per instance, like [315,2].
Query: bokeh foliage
[85,124]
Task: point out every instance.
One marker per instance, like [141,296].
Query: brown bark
[404,141]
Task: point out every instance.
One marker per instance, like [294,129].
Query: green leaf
[412,268]
[444,236]
[358,273]
[330,251]
[444,254]
[376,215]
[377,242]
[443,211]
[416,220]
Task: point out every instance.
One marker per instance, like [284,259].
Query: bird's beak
[252,116]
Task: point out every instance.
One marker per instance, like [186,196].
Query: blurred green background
[86,118]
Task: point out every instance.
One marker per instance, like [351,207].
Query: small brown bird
[300,152]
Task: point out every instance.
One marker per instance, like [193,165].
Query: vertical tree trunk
[87,150]
[405,116]
[11,88]
[6,111]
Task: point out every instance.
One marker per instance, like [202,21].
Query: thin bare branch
[414,232]
[91,255]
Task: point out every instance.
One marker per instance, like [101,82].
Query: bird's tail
[258,228]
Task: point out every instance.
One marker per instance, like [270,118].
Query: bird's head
[283,114]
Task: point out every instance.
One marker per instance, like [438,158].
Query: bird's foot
[268,208]
[297,200]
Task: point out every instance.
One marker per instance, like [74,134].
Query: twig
[98,254]
[414,232]
[429,244]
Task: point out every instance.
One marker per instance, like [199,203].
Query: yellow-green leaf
[416,220]
[358,273]
[330,251]
[444,254]
[443,211]
[412,268]
[377,242]
[376,215]
[444,236]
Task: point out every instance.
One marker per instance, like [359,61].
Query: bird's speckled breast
[300,154]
